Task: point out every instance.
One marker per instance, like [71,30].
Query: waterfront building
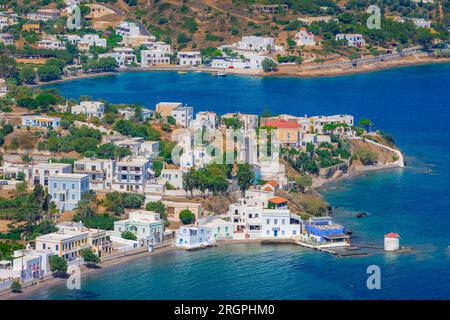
[65,243]
[41,121]
[154,57]
[41,172]
[44,15]
[165,108]
[304,38]
[324,230]
[183,116]
[172,176]
[66,189]
[51,43]
[191,58]
[221,229]
[6,39]
[280,224]
[257,44]
[124,56]
[90,109]
[132,174]
[190,237]
[353,39]
[27,265]
[147,226]
[97,239]
[243,60]
[391,241]
[100,171]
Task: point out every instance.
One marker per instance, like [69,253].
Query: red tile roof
[283,124]
[278,200]
[392,235]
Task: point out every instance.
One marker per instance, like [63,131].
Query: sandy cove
[285,70]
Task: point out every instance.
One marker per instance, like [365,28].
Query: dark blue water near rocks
[413,104]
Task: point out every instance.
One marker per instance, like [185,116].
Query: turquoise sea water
[410,103]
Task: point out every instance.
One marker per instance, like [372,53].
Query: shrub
[187,217]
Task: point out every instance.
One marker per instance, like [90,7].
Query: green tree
[89,257]
[28,74]
[58,266]
[187,217]
[20,176]
[16,287]
[269,65]
[245,176]
[303,182]
[49,73]
[86,207]
[159,207]
[128,235]
[366,124]
[157,167]
[171,120]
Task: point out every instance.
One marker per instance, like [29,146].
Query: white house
[6,39]
[66,189]
[172,176]
[183,115]
[140,147]
[280,224]
[147,226]
[128,29]
[191,58]
[304,38]
[249,121]
[90,109]
[41,121]
[41,172]
[132,174]
[124,56]
[6,21]
[100,171]
[51,43]
[258,44]
[3,88]
[194,237]
[154,57]
[421,23]
[318,122]
[44,15]
[353,39]
[147,113]
[205,120]
[221,229]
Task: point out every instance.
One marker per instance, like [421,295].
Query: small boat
[221,74]
[361,214]
[182,72]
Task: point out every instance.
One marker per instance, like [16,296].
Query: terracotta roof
[284,124]
[278,200]
[273,183]
[392,235]
[267,188]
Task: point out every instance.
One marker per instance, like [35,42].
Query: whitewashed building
[190,237]
[205,120]
[258,44]
[147,226]
[154,57]
[280,224]
[66,189]
[132,174]
[123,56]
[90,109]
[41,121]
[353,39]
[172,176]
[100,171]
[126,28]
[51,43]
[304,38]
[6,39]
[41,172]
[191,58]
[221,229]
[140,147]
[183,115]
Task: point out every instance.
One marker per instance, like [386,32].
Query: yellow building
[31,27]
[288,132]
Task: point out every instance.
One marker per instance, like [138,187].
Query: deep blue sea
[411,103]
